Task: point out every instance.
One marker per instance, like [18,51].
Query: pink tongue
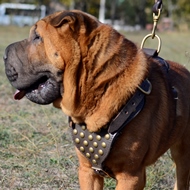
[19,94]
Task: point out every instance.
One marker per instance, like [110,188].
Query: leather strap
[150,52]
[157,6]
[131,109]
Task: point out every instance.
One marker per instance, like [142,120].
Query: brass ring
[148,36]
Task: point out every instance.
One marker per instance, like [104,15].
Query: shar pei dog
[125,107]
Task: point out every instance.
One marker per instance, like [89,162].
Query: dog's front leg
[88,179]
[131,181]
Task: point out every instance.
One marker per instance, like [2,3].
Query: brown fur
[101,70]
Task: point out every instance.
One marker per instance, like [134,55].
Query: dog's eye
[37,37]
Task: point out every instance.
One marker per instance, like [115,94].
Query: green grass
[36,150]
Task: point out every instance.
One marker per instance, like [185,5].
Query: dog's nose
[9,66]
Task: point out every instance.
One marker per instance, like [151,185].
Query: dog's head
[35,66]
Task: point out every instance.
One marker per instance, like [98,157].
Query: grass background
[36,151]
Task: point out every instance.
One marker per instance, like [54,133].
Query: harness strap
[154,54]
[132,108]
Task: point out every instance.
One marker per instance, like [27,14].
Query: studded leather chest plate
[94,146]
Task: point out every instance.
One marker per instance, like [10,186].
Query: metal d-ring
[150,35]
[148,91]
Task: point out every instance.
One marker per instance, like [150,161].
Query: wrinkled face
[35,66]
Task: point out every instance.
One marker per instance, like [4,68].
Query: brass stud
[88,155]
[77,140]
[100,152]
[91,149]
[98,137]
[82,135]
[85,143]
[83,127]
[107,136]
[82,148]
[104,145]
[94,161]
[90,137]
[96,156]
[75,131]
[95,144]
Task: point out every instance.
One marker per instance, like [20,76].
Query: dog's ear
[75,20]
[63,18]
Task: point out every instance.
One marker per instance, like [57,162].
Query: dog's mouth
[44,91]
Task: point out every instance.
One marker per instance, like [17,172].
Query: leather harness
[96,146]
